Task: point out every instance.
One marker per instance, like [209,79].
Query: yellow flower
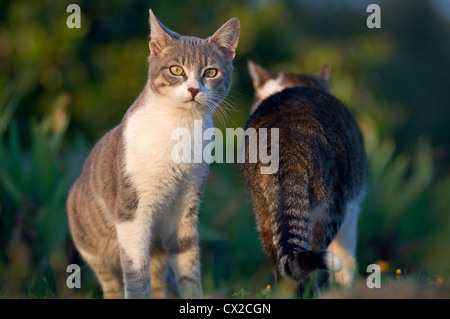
[398,272]
[384,266]
[439,280]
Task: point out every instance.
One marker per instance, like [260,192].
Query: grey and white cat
[307,211]
[134,209]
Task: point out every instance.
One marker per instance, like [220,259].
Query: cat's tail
[292,223]
[300,264]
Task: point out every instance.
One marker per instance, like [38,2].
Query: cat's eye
[176,70]
[210,73]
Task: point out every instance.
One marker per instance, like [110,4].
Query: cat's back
[317,130]
[300,105]
[105,156]
[309,114]
[99,176]
[92,198]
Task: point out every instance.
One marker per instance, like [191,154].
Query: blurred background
[61,89]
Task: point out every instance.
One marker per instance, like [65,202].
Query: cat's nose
[194,91]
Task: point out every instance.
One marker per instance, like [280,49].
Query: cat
[133,208]
[311,203]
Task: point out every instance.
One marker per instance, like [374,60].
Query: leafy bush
[35,174]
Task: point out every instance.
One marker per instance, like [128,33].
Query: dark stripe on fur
[179,245]
[128,201]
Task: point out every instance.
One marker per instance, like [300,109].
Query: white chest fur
[149,143]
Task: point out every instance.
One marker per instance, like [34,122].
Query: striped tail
[298,265]
[292,228]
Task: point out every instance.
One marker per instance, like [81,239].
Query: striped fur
[134,208]
[320,181]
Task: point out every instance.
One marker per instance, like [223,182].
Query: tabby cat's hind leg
[109,273]
[344,244]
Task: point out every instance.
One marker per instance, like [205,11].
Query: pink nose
[194,91]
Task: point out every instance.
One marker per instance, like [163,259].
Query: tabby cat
[307,211]
[133,208]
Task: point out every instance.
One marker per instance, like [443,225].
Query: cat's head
[267,83]
[189,71]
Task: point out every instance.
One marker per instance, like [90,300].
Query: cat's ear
[258,74]
[160,36]
[227,37]
[324,73]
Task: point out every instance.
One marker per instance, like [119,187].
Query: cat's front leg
[134,239]
[183,252]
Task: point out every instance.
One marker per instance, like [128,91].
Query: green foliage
[61,87]
[240,294]
[400,218]
[34,183]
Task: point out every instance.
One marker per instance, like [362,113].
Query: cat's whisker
[220,114]
[221,110]
[225,102]
[230,94]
